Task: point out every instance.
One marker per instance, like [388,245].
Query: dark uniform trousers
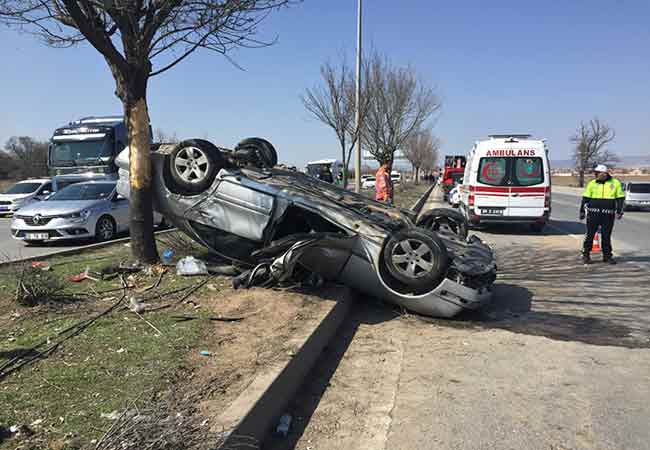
[606,224]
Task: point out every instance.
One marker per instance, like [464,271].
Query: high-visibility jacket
[383,186]
[603,197]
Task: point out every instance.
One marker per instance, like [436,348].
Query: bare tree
[421,150]
[160,136]
[29,156]
[140,39]
[400,104]
[591,140]
[333,102]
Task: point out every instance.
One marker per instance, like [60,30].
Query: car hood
[53,208]
[13,197]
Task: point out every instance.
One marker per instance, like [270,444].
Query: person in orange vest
[383,185]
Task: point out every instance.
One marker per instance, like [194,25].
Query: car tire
[257,151]
[445,221]
[105,229]
[417,258]
[193,165]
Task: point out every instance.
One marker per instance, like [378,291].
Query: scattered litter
[111,416]
[191,266]
[81,276]
[212,287]
[112,271]
[43,265]
[136,305]
[37,422]
[121,350]
[284,425]
[14,428]
[167,256]
[204,353]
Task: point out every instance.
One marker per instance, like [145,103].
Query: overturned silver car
[276,222]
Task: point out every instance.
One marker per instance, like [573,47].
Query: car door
[237,206]
[119,209]
[492,189]
[527,186]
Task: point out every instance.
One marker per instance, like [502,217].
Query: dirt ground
[559,361]
[130,381]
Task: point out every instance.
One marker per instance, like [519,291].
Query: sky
[498,66]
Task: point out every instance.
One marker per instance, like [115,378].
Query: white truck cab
[507,180]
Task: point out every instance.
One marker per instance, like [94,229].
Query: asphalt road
[558,361]
[631,237]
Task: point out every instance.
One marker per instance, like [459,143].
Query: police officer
[602,201]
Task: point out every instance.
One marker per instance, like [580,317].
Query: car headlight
[82,215]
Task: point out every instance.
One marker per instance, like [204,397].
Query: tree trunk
[581,177]
[417,175]
[143,243]
[345,166]
[390,180]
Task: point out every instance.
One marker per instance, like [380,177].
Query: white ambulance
[507,180]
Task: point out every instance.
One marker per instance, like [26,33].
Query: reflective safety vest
[603,197]
[610,189]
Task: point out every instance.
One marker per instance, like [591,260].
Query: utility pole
[357,160]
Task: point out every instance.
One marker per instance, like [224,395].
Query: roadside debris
[85,275]
[284,425]
[204,353]
[33,286]
[190,266]
[167,256]
[43,265]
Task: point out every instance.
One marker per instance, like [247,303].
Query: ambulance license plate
[37,236]
[492,211]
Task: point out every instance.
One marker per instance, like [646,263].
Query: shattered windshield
[76,152]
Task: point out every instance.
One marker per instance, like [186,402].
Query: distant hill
[626,161]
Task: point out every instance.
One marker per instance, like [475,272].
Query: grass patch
[406,194]
[117,359]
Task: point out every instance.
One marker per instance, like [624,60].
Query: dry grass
[573,181]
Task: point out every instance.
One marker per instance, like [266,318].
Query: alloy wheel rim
[412,258]
[192,164]
[106,229]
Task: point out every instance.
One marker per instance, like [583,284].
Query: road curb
[253,414]
[75,250]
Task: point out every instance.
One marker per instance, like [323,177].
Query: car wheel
[416,258]
[193,165]
[445,221]
[105,229]
[258,152]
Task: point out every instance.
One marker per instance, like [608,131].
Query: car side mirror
[45,193]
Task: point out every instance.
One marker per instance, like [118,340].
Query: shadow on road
[309,396]
[547,293]
[554,228]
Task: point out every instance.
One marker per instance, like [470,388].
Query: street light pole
[357,161]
